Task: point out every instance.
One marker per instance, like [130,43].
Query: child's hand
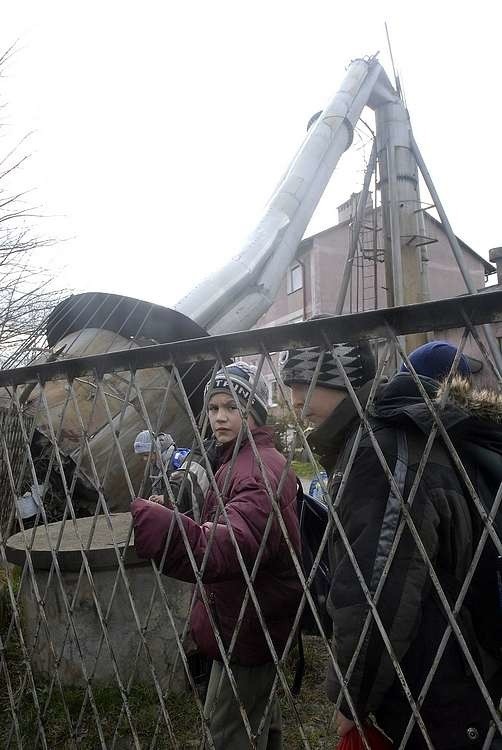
[157,499]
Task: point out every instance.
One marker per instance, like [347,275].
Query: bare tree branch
[28,291]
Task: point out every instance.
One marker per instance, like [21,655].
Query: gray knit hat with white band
[242,376]
[299,365]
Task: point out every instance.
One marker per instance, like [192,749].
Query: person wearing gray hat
[158,452]
[299,366]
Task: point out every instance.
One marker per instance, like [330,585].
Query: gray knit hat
[299,365]
[143,442]
[243,376]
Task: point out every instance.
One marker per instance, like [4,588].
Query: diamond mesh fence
[233,605]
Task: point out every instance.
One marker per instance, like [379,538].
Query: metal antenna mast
[396,77]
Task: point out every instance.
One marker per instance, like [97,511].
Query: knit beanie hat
[243,377]
[143,442]
[434,360]
[299,365]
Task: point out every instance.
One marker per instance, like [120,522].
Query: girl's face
[224,417]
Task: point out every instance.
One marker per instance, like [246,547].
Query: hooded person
[454,712]
[243,483]
[163,454]
[159,451]
[435,360]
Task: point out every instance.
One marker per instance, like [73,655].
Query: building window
[273,393]
[295,278]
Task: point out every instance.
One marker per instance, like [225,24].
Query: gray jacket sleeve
[191,482]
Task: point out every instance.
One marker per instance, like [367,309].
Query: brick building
[312,283]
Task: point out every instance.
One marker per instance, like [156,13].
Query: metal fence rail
[95,643]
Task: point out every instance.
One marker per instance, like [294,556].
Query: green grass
[302,468]
[144,707]
[312,707]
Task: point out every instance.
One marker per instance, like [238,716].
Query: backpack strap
[299,667]
[300,662]
[392,511]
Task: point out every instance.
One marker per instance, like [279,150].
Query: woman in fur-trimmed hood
[443,512]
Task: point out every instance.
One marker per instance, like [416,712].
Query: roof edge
[307,242]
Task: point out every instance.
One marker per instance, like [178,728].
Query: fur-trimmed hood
[470,415]
[480,403]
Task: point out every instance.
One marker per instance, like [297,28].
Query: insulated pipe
[457,252]
[404,270]
[240,293]
[400,200]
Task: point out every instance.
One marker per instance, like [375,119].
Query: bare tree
[27,288]
[27,293]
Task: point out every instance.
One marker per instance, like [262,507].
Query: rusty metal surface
[120,402]
[90,324]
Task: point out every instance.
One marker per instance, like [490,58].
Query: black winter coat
[454,711]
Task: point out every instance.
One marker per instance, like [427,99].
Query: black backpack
[313,518]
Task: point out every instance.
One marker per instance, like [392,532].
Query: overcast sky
[161,129]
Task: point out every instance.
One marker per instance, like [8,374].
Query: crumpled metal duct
[93,323]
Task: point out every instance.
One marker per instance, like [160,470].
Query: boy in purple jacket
[248,507]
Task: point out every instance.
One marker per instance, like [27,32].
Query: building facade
[312,284]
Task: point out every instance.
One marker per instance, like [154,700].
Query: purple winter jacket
[248,507]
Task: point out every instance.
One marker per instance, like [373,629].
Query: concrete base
[123,636]
[101,539]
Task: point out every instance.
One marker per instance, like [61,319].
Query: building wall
[445,279]
[323,258]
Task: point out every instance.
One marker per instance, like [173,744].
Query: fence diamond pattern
[95,644]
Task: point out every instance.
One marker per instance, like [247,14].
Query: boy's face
[224,417]
[321,403]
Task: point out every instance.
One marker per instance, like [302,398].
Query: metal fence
[95,643]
